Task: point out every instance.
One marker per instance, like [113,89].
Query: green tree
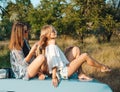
[51,12]
[84,16]
[109,20]
[78,18]
[17,11]
[2,13]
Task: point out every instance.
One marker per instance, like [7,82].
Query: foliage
[4,56]
[77,18]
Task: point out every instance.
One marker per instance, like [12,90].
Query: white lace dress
[55,58]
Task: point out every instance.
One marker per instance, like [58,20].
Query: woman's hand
[33,49]
[31,53]
[55,82]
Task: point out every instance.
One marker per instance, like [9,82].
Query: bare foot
[41,76]
[105,69]
[83,77]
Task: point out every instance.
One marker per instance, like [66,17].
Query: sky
[35,2]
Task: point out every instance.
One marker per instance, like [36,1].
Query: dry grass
[107,53]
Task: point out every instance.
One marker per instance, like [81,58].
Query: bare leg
[41,76]
[34,67]
[80,60]
[73,53]
[43,71]
[91,61]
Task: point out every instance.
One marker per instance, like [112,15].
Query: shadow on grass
[112,79]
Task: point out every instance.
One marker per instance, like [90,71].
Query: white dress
[55,57]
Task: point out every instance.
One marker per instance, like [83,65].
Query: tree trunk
[109,36]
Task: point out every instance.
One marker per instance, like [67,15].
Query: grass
[4,55]
[107,53]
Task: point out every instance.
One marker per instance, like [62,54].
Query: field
[106,53]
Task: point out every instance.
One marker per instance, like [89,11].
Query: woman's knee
[76,51]
[41,57]
[76,48]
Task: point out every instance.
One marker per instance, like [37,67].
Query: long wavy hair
[17,36]
[44,36]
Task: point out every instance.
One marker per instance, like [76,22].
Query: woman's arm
[55,80]
[31,53]
[18,56]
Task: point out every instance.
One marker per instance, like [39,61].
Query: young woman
[23,66]
[58,64]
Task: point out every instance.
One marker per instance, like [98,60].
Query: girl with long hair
[61,66]
[24,66]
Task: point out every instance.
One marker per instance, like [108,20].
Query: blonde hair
[46,30]
[45,34]
[17,36]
